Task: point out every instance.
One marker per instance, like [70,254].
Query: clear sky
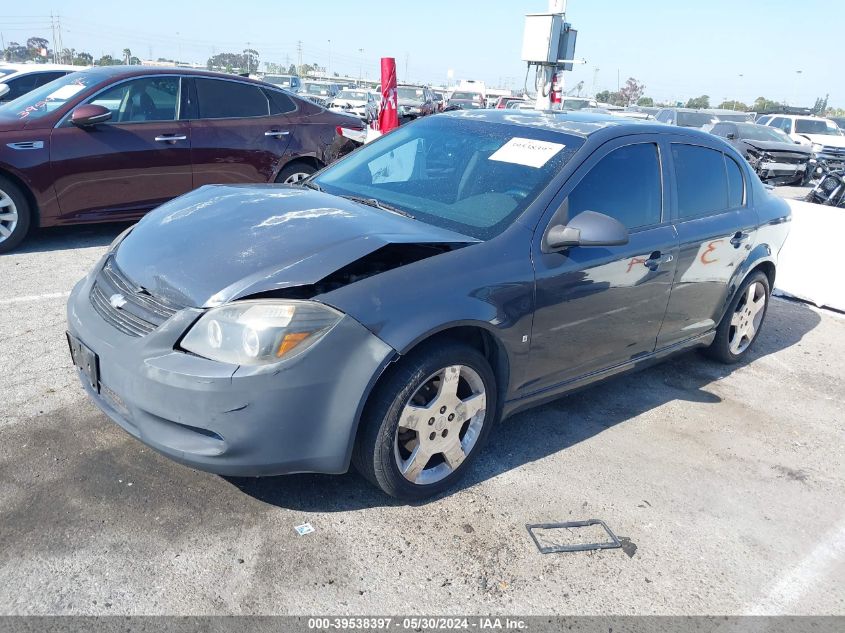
[679,48]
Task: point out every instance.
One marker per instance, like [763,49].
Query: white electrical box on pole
[548,43]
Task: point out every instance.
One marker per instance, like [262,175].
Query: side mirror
[588,228]
[4,90]
[731,136]
[90,114]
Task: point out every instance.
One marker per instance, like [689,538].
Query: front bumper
[298,416]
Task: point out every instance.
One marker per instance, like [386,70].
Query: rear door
[716,230]
[597,307]
[239,131]
[130,164]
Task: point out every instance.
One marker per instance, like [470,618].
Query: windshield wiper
[312,185]
[372,202]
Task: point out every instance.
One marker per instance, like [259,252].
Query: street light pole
[330,58]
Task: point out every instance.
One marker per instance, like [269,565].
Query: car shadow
[69,237]
[554,427]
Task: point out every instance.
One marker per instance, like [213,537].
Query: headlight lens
[817,147]
[259,332]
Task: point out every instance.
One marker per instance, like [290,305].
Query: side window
[20,86]
[786,126]
[777,122]
[763,120]
[222,99]
[625,185]
[721,129]
[736,185]
[280,103]
[664,115]
[701,180]
[45,78]
[139,100]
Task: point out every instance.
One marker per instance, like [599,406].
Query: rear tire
[294,173]
[426,421]
[743,320]
[15,215]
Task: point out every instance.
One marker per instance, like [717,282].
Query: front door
[597,307]
[129,165]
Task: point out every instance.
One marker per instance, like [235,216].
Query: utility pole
[595,79]
[407,57]
[299,51]
[330,58]
[544,93]
[361,66]
[53,37]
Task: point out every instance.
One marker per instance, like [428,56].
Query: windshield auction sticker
[526,151]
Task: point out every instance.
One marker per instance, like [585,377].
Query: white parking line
[29,298]
[801,579]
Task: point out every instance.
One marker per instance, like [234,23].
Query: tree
[37,47]
[251,59]
[733,105]
[631,91]
[292,69]
[83,59]
[699,102]
[16,53]
[127,56]
[107,60]
[647,102]
[761,104]
[820,106]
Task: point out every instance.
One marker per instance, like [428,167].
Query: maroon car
[112,143]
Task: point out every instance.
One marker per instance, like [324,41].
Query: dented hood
[220,243]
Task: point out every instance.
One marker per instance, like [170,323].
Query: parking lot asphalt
[727,484]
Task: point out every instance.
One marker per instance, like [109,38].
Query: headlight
[259,332]
[817,147]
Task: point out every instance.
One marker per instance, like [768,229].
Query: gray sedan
[389,311]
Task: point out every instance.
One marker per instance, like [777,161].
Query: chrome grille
[839,152]
[134,312]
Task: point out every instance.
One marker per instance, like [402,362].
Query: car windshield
[278,80]
[694,119]
[6,71]
[355,95]
[471,96]
[49,97]
[816,126]
[762,133]
[415,94]
[575,104]
[316,89]
[469,176]
[739,116]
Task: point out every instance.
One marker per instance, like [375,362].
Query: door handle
[276,133]
[740,237]
[656,259]
[170,138]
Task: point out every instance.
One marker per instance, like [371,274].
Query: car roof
[102,73]
[576,123]
[21,69]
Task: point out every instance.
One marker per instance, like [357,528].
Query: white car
[358,102]
[822,135]
[18,79]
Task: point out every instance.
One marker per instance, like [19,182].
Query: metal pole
[544,91]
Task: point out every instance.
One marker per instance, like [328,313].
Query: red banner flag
[388,116]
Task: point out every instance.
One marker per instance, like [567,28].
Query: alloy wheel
[8,215]
[296,177]
[747,318]
[440,425]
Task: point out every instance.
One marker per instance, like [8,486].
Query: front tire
[295,173]
[741,324]
[427,421]
[15,215]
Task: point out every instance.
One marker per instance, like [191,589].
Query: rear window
[695,119]
[701,180]
[280,103]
